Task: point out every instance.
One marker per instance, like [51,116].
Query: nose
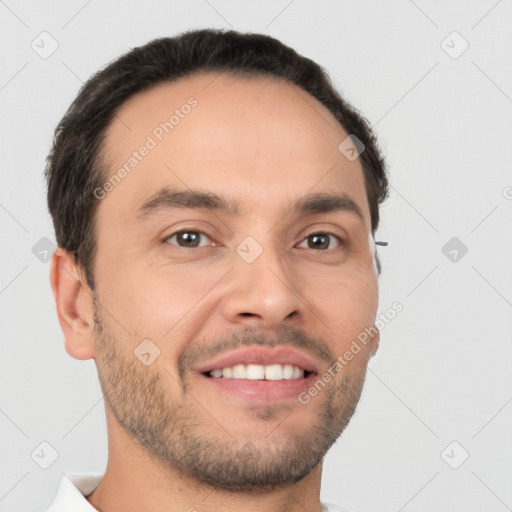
[262,293]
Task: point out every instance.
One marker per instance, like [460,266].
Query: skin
[264,143]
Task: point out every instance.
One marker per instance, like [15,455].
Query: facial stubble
[183,433]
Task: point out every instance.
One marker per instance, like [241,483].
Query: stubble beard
[184,436]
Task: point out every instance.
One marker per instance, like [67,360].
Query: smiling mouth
[272,372]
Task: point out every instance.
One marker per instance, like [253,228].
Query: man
[214,202]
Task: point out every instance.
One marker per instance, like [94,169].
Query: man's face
[282,288]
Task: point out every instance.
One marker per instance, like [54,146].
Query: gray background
[443,372]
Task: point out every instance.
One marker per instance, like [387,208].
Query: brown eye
[187,239]
[321,241]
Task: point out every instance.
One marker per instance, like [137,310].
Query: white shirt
[73,489]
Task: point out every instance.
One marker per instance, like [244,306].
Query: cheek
[346,302]
[153,302]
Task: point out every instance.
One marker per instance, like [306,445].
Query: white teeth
[255,372]
[259,372]
[297,373]
[274,372]
[287,371]
[239,372]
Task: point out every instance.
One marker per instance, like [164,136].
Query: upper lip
[262,356]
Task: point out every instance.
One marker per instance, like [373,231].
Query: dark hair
[74,169]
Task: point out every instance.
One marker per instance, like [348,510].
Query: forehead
[260,139]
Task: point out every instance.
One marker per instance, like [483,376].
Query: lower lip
[263,390]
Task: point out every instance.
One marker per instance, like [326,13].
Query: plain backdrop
[433,428]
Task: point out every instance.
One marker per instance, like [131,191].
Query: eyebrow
[325,203]
[166,199]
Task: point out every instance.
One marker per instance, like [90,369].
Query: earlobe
[74,302]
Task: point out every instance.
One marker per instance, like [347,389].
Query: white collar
[72,491]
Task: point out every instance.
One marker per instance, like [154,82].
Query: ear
[74,301]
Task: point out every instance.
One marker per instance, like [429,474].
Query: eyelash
[315,233]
